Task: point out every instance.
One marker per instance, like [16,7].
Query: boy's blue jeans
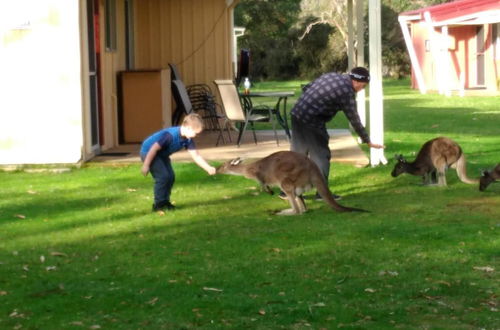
[164,176]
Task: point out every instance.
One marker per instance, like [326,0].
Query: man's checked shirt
[324,97]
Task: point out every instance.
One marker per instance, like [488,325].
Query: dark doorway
[94,79]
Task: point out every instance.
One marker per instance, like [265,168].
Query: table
[281,103]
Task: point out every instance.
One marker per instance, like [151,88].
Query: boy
[156,151]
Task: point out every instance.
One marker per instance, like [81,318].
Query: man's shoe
[336,197]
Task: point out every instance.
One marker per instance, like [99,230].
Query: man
[318,104]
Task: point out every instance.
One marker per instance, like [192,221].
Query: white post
[237,32]
[360,60]
[350,36]
[376,92]
[403,22]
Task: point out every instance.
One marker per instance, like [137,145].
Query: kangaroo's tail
[320,183]
[461,171]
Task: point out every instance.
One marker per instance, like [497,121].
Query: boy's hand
[145,170]
[211,170]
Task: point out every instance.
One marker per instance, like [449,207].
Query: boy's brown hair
[194,122]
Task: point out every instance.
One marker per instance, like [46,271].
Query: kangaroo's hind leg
[289,189]
[430,178]
[295,209]
[301,204]
[441,172]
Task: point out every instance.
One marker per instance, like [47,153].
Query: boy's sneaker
[319,198]
[163,206]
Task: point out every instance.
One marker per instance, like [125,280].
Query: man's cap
[360,74]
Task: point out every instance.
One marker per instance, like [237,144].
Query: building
[61,60]
[454,46]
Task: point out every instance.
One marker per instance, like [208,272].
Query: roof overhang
[461,12]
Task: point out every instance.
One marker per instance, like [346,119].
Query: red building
[454,46]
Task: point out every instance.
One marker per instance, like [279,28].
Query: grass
[81,249]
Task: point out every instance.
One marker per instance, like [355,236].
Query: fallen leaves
[388,272]
[212,289]
[16,315]
[153,301]
[20,216]
[486,269]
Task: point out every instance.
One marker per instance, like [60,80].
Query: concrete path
[344,148]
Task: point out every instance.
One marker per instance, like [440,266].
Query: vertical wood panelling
[198,37]
[187,39]
[154,32]
[193,34]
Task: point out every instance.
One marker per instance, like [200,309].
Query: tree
[334,13]
[267,35]
[303,38]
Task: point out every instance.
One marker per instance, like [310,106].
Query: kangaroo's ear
[399,157]
[484,173]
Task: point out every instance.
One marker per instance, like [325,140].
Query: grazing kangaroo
[294,173]
[488,177]
[435,155]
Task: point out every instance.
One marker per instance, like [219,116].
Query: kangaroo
[435,157]
[294,173]
[488,177]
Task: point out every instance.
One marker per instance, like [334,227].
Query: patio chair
[183,104]
[174,72]
[203,102]
[235,112]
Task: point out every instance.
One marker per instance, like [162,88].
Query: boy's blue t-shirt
[169,139]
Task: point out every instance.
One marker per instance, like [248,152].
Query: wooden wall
[461,55]
[194,34]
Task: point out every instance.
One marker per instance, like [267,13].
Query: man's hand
[376,146]
[145,170]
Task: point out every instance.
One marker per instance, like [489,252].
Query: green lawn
[81,249]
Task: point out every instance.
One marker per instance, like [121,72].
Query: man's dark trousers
[312,142]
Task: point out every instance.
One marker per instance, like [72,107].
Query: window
[427,45]
[110,22]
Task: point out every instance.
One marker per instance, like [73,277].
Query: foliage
[81,249]
[267,35]
[303,39]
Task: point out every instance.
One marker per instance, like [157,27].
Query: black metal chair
[174,72]
[182,102]
[204,104]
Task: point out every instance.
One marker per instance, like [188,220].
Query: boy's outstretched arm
[201,162]
[149,158]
